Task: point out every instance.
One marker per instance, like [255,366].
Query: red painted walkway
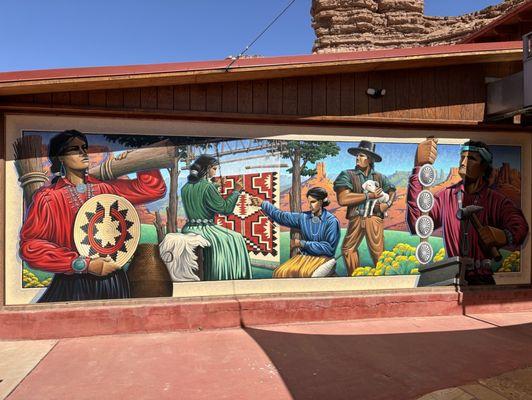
[393,358]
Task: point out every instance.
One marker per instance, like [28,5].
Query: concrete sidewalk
[394,358]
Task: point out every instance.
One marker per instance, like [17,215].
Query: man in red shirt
[503,223]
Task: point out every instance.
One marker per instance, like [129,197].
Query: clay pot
[147,273]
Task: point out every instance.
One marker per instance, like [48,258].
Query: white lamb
[371,187]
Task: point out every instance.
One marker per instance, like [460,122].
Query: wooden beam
[355,121]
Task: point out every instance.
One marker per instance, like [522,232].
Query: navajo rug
[260,233]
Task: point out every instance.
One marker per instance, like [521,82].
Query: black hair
[200,167]
[319,194]
[488,165]
[57,146]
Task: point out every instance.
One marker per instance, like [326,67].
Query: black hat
[365,147]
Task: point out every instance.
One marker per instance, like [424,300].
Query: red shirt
[499,212]
[47,239]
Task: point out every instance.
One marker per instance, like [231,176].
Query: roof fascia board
[257,72]
[522,9]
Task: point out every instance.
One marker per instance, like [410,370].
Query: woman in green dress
[227,257]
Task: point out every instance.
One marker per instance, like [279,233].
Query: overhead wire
[235,59]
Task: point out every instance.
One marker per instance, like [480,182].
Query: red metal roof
[513,17]
[168,68]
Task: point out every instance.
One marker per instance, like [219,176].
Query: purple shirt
[499,212]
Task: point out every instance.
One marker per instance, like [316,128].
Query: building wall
[444,95]
[455,93]
[2,206]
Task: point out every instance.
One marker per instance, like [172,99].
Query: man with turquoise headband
[503,223]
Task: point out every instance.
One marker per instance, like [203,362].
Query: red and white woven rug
[260,233]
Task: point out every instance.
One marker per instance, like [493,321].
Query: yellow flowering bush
[30,280]
[511,263]
[440,255]
[400,261]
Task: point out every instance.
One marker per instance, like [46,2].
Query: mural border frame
[15,124]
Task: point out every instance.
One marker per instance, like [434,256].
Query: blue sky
[37,34]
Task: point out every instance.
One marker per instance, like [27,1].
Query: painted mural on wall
[108,216]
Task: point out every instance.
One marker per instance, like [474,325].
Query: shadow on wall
[391,366]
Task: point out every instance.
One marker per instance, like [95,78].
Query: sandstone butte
[356,25]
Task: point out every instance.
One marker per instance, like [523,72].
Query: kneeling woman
[320,230]
[227,257]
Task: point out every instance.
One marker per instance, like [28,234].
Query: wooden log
[28,162]
[156,156]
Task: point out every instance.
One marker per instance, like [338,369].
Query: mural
[119,216]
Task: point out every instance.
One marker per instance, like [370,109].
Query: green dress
[227,257]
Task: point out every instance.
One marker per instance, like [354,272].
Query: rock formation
[355,25]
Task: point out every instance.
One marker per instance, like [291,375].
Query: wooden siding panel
[115,98]
[230,97]
[361,98]
[375,106]
[474,93]
[415,93]
[389,108]
[43,98]
[290,96]
[61,99]
[304,96]
[428,93]
[456,103]
[165,98]
[148,97]
[402,94]
[182,98]
[275,96]
[17,99]
[97,98]
[132,98]
[319,95]
[445,93]
[260,97]
[347,94]
[245,97]
[214,97]
[198,98]
[479,94]
[465,93]
[334,93]
[79,98]
[441,92]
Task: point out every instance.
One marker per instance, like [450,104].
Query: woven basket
[147,273]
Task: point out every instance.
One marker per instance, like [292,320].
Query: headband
[484,153]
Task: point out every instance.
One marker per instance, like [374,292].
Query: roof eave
[506,18]
[219,75]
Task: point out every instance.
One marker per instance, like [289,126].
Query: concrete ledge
[326,308]
[160,315]
[92,321]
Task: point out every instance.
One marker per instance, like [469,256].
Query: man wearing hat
[503,224]
[349,192]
